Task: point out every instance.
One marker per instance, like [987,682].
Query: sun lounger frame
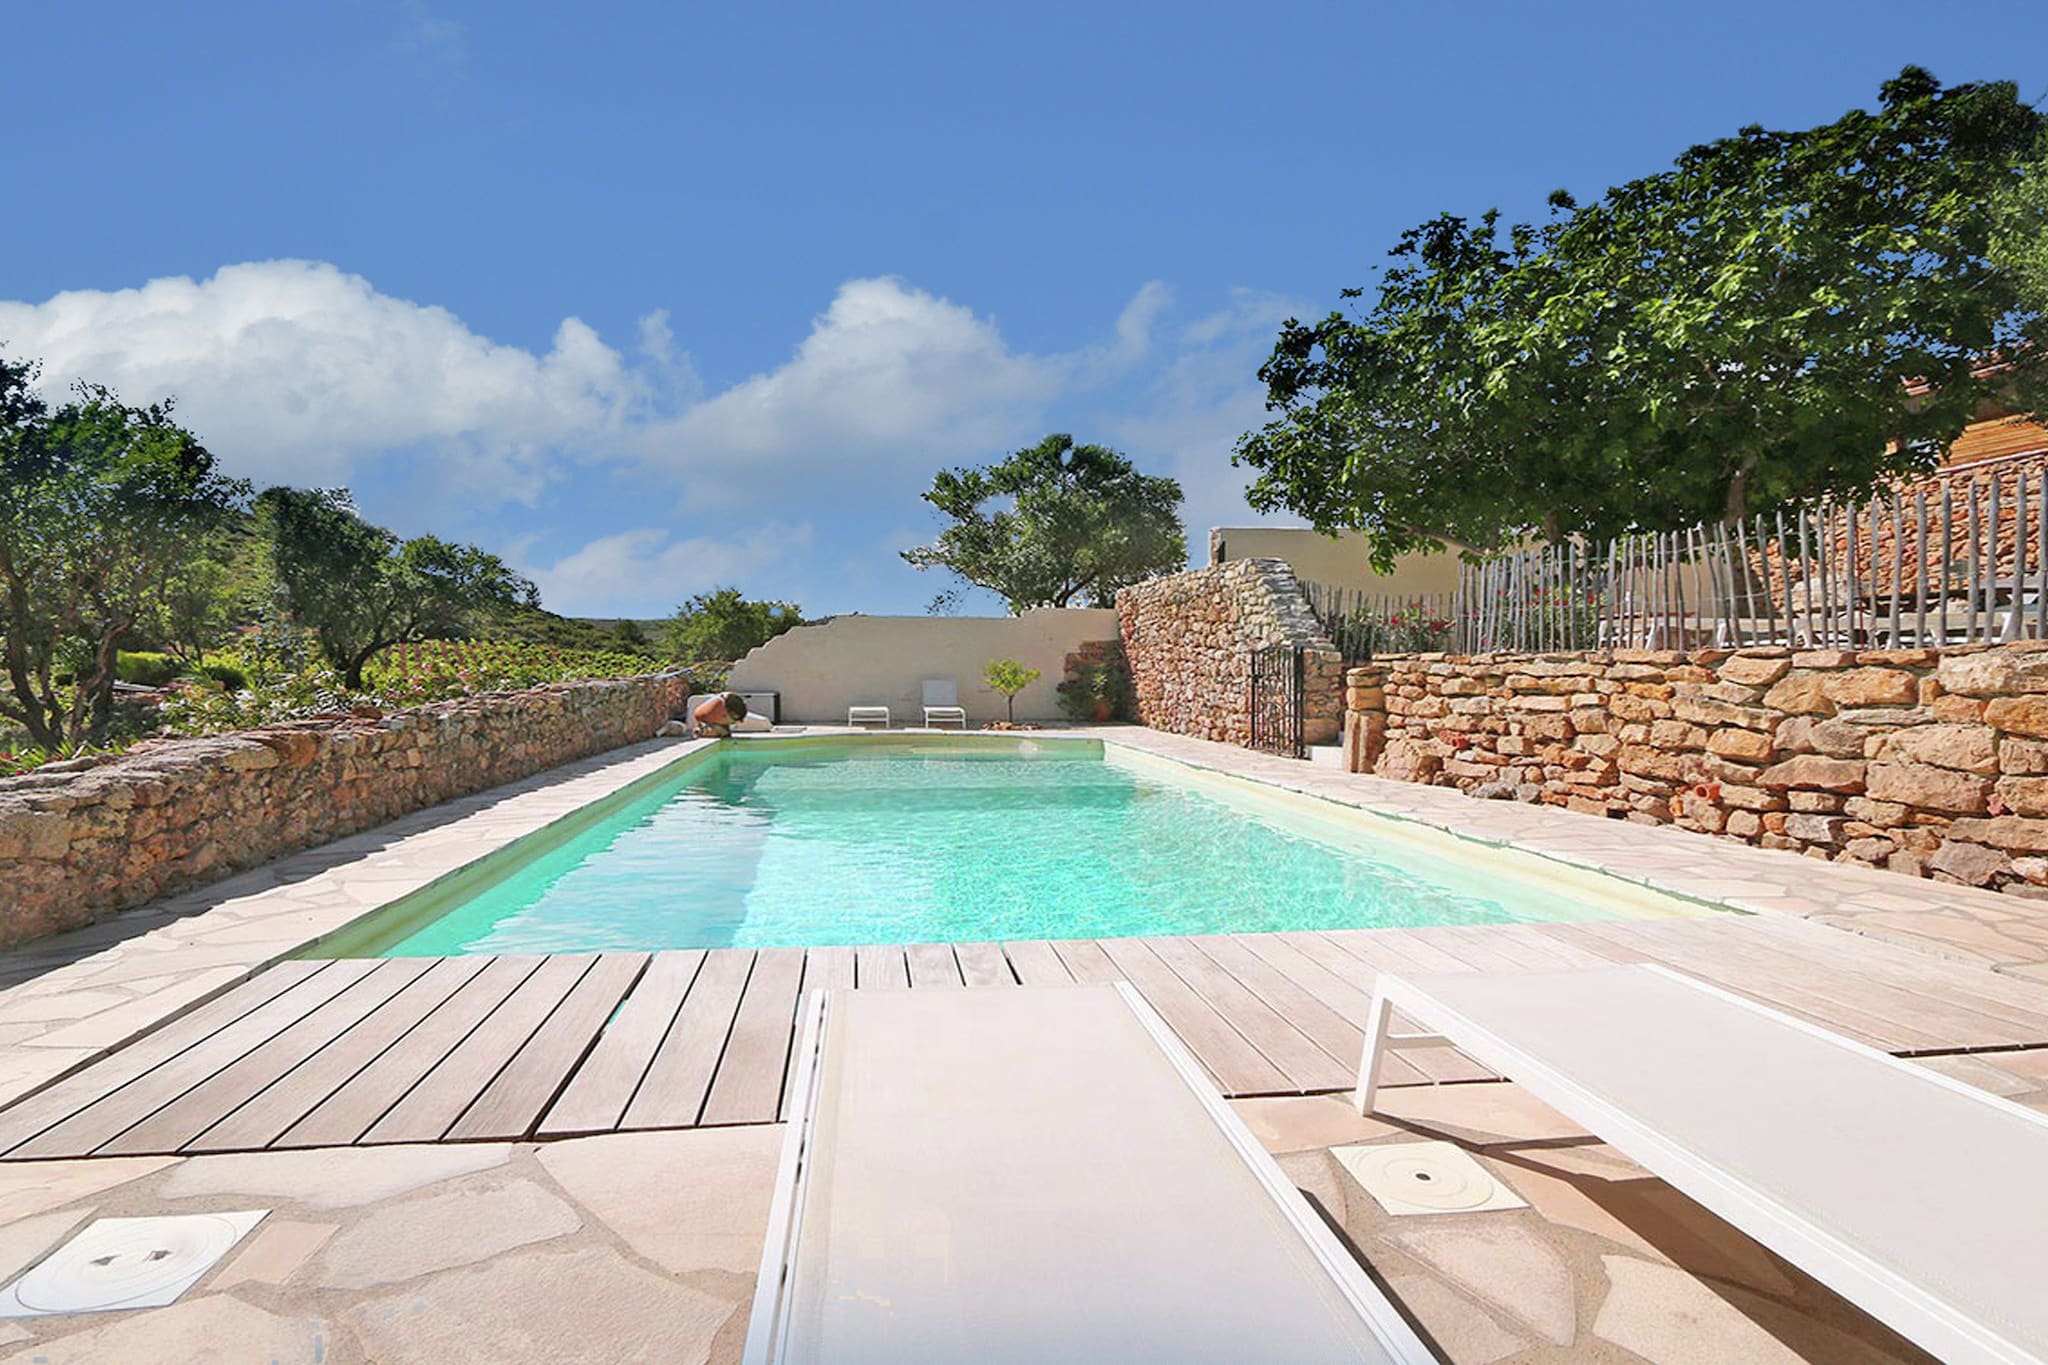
[767,1325]
[1915,1312]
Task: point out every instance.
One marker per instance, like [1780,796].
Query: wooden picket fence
[1960,557]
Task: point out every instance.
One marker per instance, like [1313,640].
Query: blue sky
[652,297]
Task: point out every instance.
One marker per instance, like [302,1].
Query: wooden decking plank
[1036,964]
[1085,961]
[29,1116]
[825,969]
[513,1102]
[1581,935]
[264,1118]
[1306,1066]
[983,964]
[1697,955]
[1569,953]
[1474,953]
[1338,996]
[672,1095]
[1436,1063]
[1531,954]
[1239,1068]
[1906,1020]
[345,1115]
[749,1082]
[880,966]
[1979,1003]
[432,1106]
[932,964]
[101,1122]
[178,1123]
[1394,950]
[1339,1037]
[597,1095]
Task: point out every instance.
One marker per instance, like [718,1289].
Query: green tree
[721,626]
[102,507]
[1696,345]
[2020,246]
[1053,523]
[1009,677]
[358,588]
[627,634]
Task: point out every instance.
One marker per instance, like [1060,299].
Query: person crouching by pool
[715,716]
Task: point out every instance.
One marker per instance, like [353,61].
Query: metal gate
[1278,675]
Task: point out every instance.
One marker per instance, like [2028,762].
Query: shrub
[226,674]
[1097,692]
[146,669]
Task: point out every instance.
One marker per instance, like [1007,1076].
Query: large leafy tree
[1055,523]
[358,588]
[1697,344]
[721,625]
[2020,246]
[102,507]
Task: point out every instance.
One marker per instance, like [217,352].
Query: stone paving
[643,1247]
[2006,933]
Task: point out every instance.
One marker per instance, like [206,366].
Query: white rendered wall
[882,660]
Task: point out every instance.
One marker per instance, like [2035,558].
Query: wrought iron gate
[1277,680]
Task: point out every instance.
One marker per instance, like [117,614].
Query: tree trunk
[1737,505]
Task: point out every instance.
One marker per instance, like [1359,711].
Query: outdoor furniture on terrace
[1035,1175]
[1919,1198]
[942,703]
[868,715]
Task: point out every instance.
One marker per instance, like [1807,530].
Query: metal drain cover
[1425,1177]
[126,1263]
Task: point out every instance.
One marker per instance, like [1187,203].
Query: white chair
[1918,1198]
[868,715]
[942,704]
[1019,1176]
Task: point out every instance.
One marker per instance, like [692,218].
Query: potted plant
[1096,692]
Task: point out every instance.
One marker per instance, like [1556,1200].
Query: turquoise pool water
[782,845]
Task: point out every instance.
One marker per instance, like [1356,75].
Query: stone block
[2008,670]
[2023,795]
[1817,772]
[1969,748]
[2025,756]
[1973,864]
[2014,833]
[2022,715]
[1753,669]
[1928,787]
[1750,746]
[1814,829]
[1872,687]
[1801,692]
[1816,803]
[1708,711]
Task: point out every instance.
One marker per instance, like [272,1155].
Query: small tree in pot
[1097,692]
[1009,677]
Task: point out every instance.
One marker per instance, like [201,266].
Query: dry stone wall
[75,847]
[1930,763]
[1188,638]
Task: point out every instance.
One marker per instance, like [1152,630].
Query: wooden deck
[313,1054]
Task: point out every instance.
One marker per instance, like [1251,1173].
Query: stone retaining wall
[1930,763]
[75,847]
[1188,638]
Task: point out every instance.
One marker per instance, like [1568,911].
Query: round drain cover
[134,1260]
[1437,1181]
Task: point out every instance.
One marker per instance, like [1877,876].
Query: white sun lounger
[942,704]
[868,715]
[1920,1199]
[1031,1175]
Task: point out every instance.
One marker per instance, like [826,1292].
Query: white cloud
[646,572]
[295,371]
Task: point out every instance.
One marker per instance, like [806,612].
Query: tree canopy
[359,588]
[721,626]
[1053,523]
[1739,330]
[103,507]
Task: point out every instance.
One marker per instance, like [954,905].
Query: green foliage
[1712,340]
[721,626]
[533,625]
[206,709]
[1054,523]
[146,669]
[629,635]
[358,588]
[226,674]
[410,674]
[102,507]
[1009,677]
[2020,246]
[1098,692]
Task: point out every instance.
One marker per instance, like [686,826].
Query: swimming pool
[814,842]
